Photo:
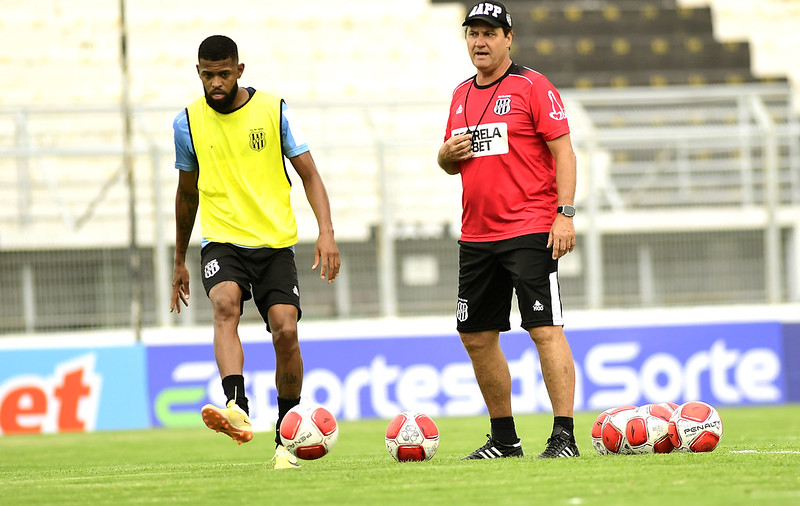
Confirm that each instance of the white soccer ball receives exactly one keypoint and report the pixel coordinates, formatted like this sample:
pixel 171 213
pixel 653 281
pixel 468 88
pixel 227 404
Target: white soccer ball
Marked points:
pixel 309 431
pixel 695 427
pixel 613 428
pixel 647 431
pixel 597 428
pixel 412 436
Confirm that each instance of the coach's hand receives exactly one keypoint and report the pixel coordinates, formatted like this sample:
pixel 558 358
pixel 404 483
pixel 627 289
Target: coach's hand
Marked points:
pixel 562 236
pixel 455 150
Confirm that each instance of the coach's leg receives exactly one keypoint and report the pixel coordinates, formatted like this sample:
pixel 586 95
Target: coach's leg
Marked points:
pixel 491 370
pixel 558 369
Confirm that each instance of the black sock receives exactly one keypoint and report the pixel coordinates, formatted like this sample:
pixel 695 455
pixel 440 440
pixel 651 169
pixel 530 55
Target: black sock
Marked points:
pixel 233 386
pixel 284 405
pixel 565 422
pixel 503 430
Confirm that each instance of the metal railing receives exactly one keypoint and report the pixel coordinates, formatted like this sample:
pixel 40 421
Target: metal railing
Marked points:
pixel 662 171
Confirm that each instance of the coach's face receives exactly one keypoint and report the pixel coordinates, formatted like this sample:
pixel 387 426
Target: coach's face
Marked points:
pixel 220 82
pixel 488 46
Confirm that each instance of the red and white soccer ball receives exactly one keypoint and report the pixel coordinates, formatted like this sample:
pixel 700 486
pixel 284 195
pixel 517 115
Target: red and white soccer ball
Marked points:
pixel 597 428
pixel 612 430
pixel 309 431
pixel 695 427
pixel 412 436
pixel 647 431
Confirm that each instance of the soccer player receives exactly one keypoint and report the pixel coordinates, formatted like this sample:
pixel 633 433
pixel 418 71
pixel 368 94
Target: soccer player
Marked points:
pixel 507 136
pixel 229 148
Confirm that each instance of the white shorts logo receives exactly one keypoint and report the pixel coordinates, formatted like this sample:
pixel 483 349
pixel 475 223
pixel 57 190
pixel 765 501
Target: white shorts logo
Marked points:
pixel 211 268
pixel 462 310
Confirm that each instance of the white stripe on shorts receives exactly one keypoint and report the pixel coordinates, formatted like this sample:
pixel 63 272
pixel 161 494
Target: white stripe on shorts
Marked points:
pixel 555 300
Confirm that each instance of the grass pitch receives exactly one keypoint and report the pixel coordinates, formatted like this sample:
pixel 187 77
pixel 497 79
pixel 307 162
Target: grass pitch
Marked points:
pixel 757 462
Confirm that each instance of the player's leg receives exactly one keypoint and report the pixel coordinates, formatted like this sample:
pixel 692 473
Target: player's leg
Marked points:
pixel 278 300
pixel 288 359
pixel 226 300
pixel 222 278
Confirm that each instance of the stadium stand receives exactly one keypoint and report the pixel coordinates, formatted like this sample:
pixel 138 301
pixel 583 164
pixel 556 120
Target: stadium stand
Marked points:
pixel 663 97
pixel 621 43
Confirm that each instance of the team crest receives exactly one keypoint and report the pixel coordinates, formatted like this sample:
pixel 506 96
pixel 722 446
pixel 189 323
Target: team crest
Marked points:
pixel 258 139
pixel 502 106
pixel 462 310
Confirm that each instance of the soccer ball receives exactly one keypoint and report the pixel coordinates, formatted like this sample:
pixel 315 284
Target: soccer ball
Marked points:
pixel 597 427
pixel 412 436
pixel 613 430
pixel 309 431
pixel 695 427
pixel 647 431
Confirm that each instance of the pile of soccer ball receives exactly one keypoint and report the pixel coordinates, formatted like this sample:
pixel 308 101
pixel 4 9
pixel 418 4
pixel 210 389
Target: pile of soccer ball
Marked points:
pixel 309 431
pixel 693 426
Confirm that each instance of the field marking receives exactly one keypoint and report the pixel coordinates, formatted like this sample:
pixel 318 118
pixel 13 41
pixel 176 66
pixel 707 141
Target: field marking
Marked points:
pixel 757 451
pixel 127 473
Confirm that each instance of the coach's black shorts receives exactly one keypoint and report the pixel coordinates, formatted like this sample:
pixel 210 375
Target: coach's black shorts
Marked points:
pixel 270 273
pixel 490 271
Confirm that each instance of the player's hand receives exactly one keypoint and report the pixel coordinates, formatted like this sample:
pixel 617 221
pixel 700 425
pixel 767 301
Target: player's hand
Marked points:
pixel 180 287
pixel 562 236
pixel 326 257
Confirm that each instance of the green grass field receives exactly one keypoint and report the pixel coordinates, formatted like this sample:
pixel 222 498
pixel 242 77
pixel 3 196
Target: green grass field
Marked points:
pixel 757 462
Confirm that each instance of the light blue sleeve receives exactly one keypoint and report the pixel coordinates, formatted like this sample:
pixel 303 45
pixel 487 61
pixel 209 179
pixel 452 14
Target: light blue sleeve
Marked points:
pixel 292 140
pixel 185 157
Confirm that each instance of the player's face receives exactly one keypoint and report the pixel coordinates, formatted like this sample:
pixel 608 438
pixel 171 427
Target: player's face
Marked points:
pixel 220 82
pixel 488 46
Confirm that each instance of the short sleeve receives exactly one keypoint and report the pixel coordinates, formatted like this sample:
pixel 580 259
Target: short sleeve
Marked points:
pixel 293 141
pixel 549 115
pixel 185 157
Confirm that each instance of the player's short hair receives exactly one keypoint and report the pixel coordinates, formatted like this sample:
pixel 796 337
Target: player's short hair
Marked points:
pixel 218 47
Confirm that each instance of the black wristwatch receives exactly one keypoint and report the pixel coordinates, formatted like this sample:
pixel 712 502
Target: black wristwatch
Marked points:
pixel 568 211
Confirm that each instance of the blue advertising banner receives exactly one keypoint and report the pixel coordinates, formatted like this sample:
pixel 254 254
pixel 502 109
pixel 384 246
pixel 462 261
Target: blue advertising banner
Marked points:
pixel 73 389
pixel 368 378
pixel 791 361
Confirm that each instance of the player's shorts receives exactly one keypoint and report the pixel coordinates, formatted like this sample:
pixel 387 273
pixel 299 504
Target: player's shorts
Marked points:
pixel 270 273
pixel 488 274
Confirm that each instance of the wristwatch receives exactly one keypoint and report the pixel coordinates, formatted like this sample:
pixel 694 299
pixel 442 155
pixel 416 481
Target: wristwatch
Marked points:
pixel 568 211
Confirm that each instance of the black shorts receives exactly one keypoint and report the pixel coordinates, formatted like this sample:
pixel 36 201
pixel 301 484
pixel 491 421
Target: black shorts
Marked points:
pixel 271 274
pixel 488 274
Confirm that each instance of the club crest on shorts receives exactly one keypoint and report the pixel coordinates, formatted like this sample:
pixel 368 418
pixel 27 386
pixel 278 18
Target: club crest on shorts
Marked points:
pixel 502 106
pixel 462 310
pixel 258 139
pixel 211 268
